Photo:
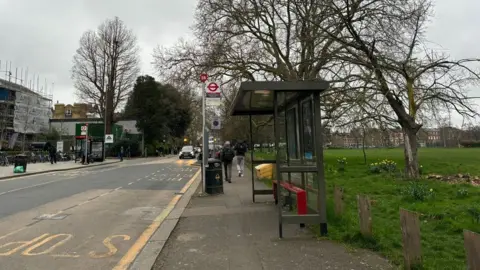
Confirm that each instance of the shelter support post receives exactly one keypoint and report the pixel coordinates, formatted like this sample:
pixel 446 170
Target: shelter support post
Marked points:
pixel 252 149
pixel 277 161
pixel 322 193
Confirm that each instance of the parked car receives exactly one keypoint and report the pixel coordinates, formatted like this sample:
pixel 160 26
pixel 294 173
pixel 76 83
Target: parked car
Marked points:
pixel 187 152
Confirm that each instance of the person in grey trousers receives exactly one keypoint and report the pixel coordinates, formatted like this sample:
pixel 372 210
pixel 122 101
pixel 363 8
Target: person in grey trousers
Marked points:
pixel 240 150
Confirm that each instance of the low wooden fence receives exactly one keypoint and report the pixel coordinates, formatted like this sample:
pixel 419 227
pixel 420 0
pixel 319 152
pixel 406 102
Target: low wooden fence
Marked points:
pixel 410 226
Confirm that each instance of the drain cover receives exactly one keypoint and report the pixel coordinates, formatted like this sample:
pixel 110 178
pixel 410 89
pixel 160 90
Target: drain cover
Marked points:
pixel 51 217
pixel 179 193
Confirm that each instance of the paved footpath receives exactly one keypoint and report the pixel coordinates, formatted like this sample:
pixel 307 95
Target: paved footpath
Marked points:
pixel 230 232
pixel 35 168
pixel 92 218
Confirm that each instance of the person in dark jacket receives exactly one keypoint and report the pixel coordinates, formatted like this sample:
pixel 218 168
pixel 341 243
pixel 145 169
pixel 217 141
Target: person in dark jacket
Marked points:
pixel 226 156
pixel 53 154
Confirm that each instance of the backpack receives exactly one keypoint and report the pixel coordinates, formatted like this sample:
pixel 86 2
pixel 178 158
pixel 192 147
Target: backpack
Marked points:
pixel 228 154
pixel 241 149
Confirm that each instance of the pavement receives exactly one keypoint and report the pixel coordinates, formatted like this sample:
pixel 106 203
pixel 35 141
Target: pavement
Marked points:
pixel 41 167
pixel 228 231
pixel 97 217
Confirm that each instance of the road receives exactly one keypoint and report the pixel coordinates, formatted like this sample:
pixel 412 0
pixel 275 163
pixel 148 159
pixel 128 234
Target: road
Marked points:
pixel 88 218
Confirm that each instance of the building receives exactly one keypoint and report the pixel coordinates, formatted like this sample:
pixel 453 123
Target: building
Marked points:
pixel 75 111
pixel 22 111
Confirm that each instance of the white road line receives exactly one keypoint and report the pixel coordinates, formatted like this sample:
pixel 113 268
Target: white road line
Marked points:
pixel 130 183
pixel 37 185
pixel 118 188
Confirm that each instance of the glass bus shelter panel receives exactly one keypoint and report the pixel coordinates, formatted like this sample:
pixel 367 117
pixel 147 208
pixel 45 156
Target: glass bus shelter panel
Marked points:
pixel 291 132
pixel 263 137
pixel 280 138
pixel 311 188
pixel 307 128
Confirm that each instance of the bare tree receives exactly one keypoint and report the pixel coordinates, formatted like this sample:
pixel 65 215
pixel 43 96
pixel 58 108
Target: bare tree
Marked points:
pixel 106 66
pixel 386 39
pixel 258 40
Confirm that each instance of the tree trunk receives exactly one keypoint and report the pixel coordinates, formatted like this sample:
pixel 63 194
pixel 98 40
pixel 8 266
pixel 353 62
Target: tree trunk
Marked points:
pixel 363 149
pixel 411 153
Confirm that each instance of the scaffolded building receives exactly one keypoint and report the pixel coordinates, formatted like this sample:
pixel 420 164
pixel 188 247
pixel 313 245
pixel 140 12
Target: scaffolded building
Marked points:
pixel 22 110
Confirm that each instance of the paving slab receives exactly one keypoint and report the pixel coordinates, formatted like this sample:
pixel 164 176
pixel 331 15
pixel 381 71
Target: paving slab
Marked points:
pixel 230 232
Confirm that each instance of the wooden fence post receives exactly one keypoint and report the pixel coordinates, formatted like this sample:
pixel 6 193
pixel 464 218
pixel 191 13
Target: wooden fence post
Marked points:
pixel 365 215
pixel 472 248
pixel 412 252
pixel 339 202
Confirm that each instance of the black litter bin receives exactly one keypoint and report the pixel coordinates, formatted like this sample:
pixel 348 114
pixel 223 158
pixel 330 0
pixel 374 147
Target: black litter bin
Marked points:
pixel 213 177
pixel 21 160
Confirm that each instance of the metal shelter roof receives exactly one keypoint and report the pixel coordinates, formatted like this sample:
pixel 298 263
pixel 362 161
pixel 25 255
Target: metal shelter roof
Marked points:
pixel 256 98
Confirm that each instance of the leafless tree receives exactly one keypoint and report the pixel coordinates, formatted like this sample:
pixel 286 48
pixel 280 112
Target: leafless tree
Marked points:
pixel 386 39
pixel 106 66
pixel 259 40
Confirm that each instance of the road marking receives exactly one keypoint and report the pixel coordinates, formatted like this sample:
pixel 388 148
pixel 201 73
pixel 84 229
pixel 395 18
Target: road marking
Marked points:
pixel 107 242
pixel 37 185
pixel 28 251
pixel 130 183
pixel 12 233
pixel 65 256
pixel 23 244
pixel 142 240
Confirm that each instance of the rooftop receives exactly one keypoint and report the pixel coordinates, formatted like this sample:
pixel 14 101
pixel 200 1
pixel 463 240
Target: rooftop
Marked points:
pixel 257 98
pixel 17 87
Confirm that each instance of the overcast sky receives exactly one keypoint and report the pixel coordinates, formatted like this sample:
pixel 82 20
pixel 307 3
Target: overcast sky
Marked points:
pixel 43 35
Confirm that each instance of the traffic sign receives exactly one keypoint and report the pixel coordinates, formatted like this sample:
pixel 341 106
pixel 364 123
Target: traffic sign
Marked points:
pixel 203 77
pixel 83 130
pixel 216 123
pixel 108 138
pixel 212 87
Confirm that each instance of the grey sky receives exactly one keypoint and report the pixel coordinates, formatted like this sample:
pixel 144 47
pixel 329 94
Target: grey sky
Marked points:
pixel 43 35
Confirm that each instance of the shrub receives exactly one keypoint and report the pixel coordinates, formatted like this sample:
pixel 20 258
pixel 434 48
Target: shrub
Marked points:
pixel 417 191
pixel 462 193
pixel 474 212
pixel 342 163
pixel 385 165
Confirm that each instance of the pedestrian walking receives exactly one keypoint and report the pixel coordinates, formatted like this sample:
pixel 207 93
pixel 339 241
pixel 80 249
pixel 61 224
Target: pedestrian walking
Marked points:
pixel 226 156
pixel 121 153
pixel 240 150
pixel 53 154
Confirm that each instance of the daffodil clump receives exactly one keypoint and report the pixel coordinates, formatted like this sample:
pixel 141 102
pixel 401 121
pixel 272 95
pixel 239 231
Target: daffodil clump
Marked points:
pixel 418 191
pixel 342 163
pixel 385 165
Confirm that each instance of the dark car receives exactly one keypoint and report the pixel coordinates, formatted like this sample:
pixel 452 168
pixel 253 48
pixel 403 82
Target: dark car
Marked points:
pixel 187 152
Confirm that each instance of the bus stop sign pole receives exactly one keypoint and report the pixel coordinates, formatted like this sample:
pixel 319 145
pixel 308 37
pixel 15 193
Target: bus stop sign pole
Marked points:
pixel 203 79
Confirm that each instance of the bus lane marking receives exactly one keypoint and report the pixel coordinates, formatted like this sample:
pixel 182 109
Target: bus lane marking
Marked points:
pixel 29 250
pixel 107 242
pixel 23 244
pixel 31 247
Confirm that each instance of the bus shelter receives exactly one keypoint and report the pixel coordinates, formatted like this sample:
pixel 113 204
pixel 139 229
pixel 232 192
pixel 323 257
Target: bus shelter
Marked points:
pixel 295 108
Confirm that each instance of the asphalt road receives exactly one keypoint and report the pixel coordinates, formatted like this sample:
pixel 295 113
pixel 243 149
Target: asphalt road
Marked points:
pixel 87 218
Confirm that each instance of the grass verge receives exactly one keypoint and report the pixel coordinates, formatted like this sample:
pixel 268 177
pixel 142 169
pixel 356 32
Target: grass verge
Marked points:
pixel 446 209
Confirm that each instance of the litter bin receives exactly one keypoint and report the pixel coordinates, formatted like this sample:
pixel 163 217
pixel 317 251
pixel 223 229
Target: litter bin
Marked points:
pixel 213 177
pixel 21 160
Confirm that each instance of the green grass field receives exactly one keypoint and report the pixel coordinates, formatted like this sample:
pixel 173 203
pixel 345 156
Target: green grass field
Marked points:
pixel 446 209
